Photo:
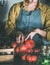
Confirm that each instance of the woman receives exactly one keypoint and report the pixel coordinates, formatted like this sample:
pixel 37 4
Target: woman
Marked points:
pixel 31 18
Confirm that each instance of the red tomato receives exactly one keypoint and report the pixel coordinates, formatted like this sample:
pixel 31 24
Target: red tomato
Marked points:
pixel 17 50
pixel 34 58
pixel 37 50
pixel 14 44
pixel 23 48
pixel 29 58
pixel 24 57
pixel 29 43
pixel 29 50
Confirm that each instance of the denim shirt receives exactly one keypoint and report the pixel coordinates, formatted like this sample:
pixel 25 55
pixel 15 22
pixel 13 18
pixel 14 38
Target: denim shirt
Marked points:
pixel 28 21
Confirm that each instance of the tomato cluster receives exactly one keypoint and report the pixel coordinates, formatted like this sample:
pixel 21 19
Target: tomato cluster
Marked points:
pixel 32 58
pixel 27 47
pixel 29 58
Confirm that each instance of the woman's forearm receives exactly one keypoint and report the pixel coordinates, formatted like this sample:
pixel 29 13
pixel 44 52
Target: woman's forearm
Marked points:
pixel 41 32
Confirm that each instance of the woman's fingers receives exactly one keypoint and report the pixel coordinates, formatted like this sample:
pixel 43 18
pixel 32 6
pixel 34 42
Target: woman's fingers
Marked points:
pixel 27 37
pixel 20 39
pixel 30 35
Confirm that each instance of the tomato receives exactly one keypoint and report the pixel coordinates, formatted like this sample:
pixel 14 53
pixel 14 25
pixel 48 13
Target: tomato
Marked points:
pixel 17 50
pixel 29 43
pixel 29 58
pixel 37 50
pixel 34 58
pixel 23 48
pixel 14 44
pixel 29 50
pixel 24 57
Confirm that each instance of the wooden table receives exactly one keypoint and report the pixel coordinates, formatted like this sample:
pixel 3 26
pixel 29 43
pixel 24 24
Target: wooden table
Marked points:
pixel 7 57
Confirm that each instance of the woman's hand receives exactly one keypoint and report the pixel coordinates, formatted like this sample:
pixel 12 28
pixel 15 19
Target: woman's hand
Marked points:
pixel 36 31
pixel 31 35
pixel 20 38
